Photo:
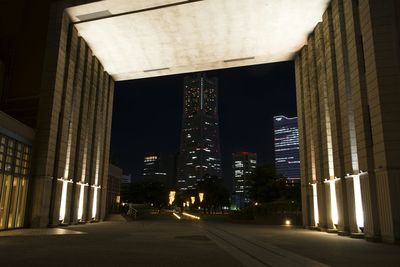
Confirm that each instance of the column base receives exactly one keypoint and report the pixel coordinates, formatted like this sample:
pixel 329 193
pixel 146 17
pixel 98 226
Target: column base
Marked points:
pixel 332 231
pixel 357 235
pixel 343 233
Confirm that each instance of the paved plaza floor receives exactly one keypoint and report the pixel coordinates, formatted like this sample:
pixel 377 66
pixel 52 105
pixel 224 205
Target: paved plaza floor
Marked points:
pixel 167 241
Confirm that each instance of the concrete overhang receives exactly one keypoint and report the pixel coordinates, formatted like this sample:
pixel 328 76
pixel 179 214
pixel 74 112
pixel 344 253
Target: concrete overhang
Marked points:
pixel 146 38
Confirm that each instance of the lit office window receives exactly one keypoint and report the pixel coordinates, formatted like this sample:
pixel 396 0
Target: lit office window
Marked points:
pixel 14 172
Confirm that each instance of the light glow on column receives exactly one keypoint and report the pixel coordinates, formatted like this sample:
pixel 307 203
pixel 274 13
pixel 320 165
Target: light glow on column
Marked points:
pixel 358 201
pixel 63 200
pixel 63 204
pixel 315 201
pixel 94 206
pixel 334 208
pixel 81 197
pixel 83 178
pixel 80 207
pixel 96 182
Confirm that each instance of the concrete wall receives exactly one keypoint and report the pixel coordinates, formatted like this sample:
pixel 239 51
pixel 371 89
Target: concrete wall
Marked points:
pixel 75 124
pixel 59 88
pixel 348 99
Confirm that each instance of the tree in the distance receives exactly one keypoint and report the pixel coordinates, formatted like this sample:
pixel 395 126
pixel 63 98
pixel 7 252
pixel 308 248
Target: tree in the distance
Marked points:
pixel 216 195
pixel 265 185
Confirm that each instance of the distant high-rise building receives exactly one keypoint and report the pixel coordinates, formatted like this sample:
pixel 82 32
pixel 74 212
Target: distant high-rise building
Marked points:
pixel 160 167
pixel 200 151
pixel 126 181
pixel 244 163
pixel 286 140
pixel 113 199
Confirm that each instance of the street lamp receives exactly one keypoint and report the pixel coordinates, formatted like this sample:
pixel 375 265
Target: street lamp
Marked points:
pixel 171 197
pixel 192 199
pixel 201 197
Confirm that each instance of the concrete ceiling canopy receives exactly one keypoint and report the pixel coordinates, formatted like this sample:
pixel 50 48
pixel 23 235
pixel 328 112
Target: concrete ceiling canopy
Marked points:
pixel 147 38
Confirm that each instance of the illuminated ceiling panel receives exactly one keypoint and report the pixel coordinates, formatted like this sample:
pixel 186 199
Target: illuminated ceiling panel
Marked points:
pixel 147 38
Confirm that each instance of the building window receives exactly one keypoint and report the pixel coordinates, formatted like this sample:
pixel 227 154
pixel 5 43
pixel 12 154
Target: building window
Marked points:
pixel 14 170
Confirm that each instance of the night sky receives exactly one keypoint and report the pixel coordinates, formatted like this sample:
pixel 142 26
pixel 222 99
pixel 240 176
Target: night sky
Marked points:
pixel 148 113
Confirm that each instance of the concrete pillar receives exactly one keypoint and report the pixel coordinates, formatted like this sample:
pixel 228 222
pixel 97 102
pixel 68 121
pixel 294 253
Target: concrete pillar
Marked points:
pixel 106 158
pixel 95 137
pixel 370 206
pixel 345 98
pixel 302 142
pixel 341 195
pixel 362 118
pixel 48 119
pixel 335 114
pixel 101 136
pixel 90 133
pixel 379 23
pixel 328 200
pixel 309 149
pixel 316 130
pixel 324 116
pixel 79 125
pixel 351 205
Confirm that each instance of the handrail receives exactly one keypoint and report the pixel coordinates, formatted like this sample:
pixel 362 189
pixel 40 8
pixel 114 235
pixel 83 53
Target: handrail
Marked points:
pixel 132 211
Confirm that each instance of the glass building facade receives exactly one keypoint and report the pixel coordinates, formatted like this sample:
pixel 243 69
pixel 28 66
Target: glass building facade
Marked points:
pixel 244 163
pixel 14 176
pixel 286 143
pixel 200 154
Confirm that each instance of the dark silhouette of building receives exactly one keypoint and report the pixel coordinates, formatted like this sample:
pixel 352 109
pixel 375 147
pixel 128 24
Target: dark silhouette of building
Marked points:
pixel 113 202
pixel 286 140
pixel 200 151
pixel 160 167
pixel 126 181
pixel 244 163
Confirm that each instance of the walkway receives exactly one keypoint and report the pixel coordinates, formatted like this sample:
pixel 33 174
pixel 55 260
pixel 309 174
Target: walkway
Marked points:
pixel 172 242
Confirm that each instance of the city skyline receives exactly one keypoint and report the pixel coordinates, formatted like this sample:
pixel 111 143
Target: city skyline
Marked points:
pixel 90 90
pixel 248 128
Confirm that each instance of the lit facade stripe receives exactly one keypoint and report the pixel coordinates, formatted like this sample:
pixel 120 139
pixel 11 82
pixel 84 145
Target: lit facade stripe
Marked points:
pixel 315 204
pixel 358 201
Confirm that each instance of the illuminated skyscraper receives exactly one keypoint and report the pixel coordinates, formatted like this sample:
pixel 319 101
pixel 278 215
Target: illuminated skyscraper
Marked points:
pixel 286 140
pixel 200 151
pixel 160 167
pixel 244 163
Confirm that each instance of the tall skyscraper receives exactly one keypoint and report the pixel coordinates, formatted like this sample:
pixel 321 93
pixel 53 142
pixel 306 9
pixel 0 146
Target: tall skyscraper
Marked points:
pixel 200 151
pixel 286 140
pixel 244 163
pixel 160 167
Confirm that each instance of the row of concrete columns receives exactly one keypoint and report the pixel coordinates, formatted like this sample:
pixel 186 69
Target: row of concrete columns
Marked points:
pixel 347 80
pixel 72 150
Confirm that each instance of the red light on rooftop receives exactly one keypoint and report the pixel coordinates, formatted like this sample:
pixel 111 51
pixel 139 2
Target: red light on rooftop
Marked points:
pixel 247 153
